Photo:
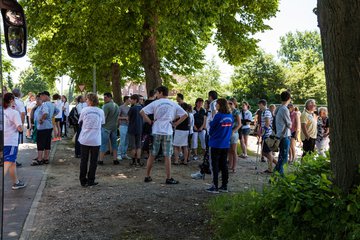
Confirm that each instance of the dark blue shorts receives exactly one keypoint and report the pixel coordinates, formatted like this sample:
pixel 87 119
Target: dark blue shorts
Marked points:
pixel 10 153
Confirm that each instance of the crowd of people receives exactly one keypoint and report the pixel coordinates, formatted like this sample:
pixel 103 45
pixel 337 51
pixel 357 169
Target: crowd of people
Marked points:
pixel 162 127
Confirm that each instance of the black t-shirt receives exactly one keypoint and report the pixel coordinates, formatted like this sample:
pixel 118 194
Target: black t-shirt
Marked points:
pixel 184 126
pixel 147 127
pixel 135 120
pixel 199 117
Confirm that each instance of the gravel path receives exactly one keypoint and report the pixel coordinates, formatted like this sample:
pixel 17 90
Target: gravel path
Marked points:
pixel 122 206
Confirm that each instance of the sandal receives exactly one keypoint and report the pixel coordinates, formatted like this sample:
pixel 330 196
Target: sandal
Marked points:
pixel 36 163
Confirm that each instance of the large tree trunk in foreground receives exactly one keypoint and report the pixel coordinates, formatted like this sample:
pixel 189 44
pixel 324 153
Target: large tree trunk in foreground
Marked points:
pixel 339 23
pixel 149 56
pixel 115 78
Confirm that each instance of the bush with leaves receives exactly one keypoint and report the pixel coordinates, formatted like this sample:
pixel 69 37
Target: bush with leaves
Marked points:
pixel 302 205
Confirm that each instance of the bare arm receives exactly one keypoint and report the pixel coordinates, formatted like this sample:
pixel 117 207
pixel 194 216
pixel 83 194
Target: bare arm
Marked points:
pixel 145 117
pixel 239 125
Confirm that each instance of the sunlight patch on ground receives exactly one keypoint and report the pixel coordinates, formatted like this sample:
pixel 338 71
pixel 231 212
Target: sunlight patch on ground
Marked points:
pixel 120 176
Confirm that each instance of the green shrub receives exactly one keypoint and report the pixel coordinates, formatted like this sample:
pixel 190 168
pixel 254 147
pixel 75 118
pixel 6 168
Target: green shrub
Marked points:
pixel 302 205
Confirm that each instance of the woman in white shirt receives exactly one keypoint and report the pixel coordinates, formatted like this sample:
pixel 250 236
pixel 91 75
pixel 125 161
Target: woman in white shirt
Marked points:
pixel 91 119
pixel 12 128
pixel 65 114
pixel 58 117
pixel 29 106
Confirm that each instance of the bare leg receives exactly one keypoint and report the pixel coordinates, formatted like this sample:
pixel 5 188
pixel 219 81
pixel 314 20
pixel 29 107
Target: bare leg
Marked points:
pixel 176 154
pixel 186 154
pixel 168 167
pixel 138 153
pixel 230 159
pixel 149 164
pixel 40 155
pixel 114 154
pixel 101 156
pixel 234 156
pixel 46 155
pixel 270 160
pixel 12 171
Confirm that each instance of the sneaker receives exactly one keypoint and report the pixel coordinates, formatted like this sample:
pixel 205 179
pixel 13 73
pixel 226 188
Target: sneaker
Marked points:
pixel 197 175
pixel 263 159
pixel 223 189
pixel 148 179
pixel 127 157
pixel 92 184
pixel 116 162
pixel 119 158
pixel 213 189
pixel 18 185
pixel 171 181
pixel 18 164
pixel 195 157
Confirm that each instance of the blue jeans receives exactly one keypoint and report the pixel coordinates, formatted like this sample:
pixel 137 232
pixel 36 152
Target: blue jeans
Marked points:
pixel 283 154
pixel 124 142
pixel 105 136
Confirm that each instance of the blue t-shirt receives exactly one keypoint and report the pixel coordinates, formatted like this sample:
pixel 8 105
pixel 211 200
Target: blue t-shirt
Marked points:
pixel 46 108
pixel 220 130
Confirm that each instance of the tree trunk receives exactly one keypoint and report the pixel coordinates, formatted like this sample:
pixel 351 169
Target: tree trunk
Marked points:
pixel 149 56
pixel 116 87
pixel 339 23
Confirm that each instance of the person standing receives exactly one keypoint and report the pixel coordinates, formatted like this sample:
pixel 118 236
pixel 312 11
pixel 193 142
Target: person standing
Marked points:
pixel 147 128
pixel 58 117
pixel 295 128
pixel 65 114
pixel 165 111
pixel 263 113
pixel 244 131
pixel 20 107
pixel 81 104
pixel 219 143
pixel 109 128
pixel 180 98
pixel 29 106
pixel 235 134
pixel 91 119
pixel 308 120
pixel 181 139
pixel 283 126
pixel 322 140
pixel 199 127
pixel 44 129
pixel 12 126
pixel 124 124
pixel 135 130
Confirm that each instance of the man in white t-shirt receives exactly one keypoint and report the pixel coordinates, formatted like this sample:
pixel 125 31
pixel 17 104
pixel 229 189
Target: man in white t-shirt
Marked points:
pixel 165 112
pixel 212 97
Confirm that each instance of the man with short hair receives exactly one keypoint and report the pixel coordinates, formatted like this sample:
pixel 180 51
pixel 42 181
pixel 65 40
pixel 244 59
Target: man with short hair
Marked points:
pixel 165 112
pixel 308 120
pixel 109 129
pixel 212 97
pixel 135 129
pixel 283 126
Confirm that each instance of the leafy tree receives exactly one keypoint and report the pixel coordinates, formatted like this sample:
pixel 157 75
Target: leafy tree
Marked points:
pixel 305 77
pixel 32 81
pixel 199 84
pixel 260 77
pixel 339 23
pixel 159 38
pixel 293 45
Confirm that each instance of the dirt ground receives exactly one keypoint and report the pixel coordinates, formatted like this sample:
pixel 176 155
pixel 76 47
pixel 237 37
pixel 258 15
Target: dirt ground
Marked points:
pixel 122 206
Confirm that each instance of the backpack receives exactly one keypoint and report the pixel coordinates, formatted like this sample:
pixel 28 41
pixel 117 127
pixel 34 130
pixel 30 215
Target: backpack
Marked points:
pixel 73 117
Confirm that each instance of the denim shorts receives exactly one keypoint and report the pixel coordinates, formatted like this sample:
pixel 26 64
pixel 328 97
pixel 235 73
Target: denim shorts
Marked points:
pixel 165 141
pixel 234 138
pixel 107 135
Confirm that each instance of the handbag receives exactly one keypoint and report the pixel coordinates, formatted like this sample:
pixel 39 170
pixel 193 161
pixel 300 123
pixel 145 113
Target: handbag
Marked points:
pixel 273 142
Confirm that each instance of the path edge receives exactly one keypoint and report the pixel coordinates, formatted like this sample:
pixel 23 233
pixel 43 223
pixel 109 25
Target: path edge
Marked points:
pixel 30 219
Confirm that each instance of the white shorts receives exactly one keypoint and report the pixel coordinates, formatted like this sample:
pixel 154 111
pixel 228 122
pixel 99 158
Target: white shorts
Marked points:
pixel 181 138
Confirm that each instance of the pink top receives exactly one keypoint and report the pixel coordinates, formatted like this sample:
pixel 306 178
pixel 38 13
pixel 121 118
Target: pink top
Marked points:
pixel 293 116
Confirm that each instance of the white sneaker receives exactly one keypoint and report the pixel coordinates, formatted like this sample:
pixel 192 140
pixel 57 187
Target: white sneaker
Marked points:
pixel 195 157
pixel 119 158
pixel 197 175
